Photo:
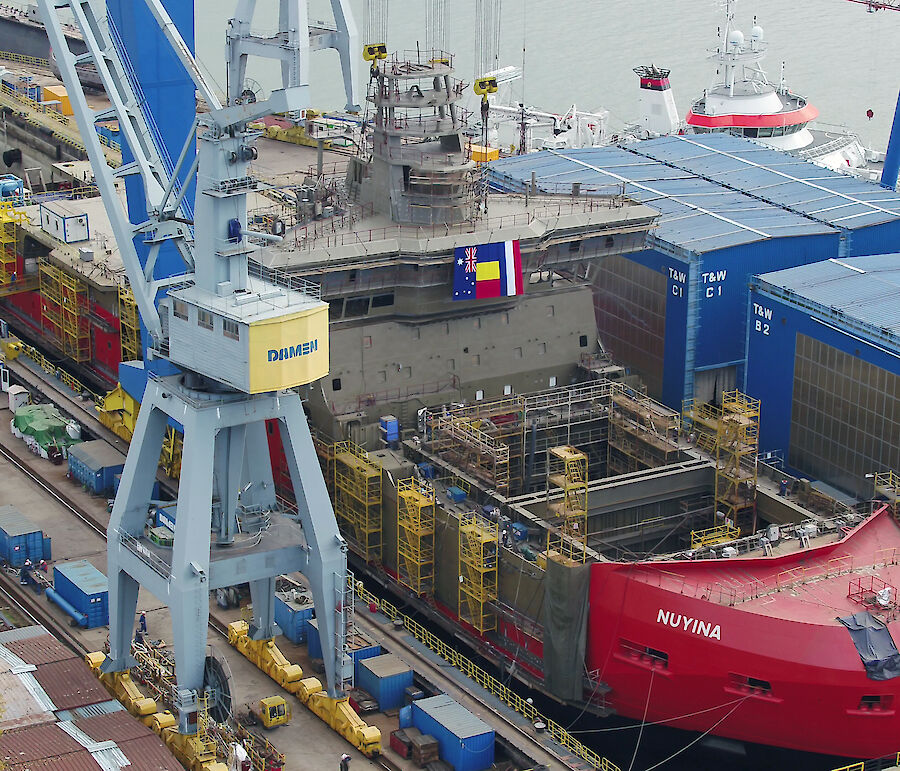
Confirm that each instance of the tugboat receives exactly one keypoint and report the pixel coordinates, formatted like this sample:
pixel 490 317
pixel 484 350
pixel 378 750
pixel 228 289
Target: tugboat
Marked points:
pixel 743 101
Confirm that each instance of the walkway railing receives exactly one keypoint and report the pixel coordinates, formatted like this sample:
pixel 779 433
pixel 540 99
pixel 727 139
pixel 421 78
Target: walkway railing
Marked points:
pixel 497 689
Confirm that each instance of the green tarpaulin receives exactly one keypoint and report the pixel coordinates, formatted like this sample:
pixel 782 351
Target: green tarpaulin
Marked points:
pixel 45 424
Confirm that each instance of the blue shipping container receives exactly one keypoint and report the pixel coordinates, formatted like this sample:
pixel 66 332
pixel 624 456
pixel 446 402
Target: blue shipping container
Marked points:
pixel 85 588
pixel 466 742
pixel 313 644
pixel 20 538
pixel 95 464
pixel 386 678
pixel 291 615
pixel 456 494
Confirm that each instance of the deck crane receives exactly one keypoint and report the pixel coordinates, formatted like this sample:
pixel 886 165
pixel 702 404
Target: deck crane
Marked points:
pixel 241 342
pixel 891 167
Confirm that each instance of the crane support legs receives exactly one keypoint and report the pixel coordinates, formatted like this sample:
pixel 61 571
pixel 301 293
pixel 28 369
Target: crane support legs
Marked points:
pixel 227 527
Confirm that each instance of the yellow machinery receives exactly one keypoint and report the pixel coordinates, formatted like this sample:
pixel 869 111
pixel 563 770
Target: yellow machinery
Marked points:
pixel 415 535
pixel 272 712
pixel 337 713
pixel 196 753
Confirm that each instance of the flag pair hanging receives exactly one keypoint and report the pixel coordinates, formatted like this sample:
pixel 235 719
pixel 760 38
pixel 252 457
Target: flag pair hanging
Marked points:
pixel 487 270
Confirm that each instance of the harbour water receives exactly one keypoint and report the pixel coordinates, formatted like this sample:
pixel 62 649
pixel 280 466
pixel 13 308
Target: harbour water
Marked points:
pixel 582 51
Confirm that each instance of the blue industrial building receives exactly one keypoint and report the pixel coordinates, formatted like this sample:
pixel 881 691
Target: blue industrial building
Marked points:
pixel 729 209
pixel 823 357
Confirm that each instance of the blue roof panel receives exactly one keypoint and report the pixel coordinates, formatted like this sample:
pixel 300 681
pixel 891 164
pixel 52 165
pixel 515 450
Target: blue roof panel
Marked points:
pixel 776 177
pixel 697 214
pixel 863 289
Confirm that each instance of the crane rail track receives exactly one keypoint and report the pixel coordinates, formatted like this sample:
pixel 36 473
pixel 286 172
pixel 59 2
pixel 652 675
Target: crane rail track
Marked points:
pixel 26 603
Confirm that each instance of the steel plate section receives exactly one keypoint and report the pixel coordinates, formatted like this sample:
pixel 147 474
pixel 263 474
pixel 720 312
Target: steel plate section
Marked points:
pixel 70 684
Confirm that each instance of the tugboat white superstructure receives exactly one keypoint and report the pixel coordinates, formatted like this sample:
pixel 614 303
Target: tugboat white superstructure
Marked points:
pixel 742 101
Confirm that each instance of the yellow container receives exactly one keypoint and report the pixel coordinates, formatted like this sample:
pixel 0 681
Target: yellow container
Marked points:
pixel 482 154
pixel 58 93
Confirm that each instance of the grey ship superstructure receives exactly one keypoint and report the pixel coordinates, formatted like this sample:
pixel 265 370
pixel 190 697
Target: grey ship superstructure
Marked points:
pixel 399 342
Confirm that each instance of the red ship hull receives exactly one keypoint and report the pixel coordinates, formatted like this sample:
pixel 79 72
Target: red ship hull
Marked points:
pixel 777 669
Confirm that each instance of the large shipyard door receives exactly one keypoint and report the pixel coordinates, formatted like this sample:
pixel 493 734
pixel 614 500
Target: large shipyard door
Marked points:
pixel 709 384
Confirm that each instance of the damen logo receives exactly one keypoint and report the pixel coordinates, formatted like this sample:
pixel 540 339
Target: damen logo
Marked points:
pixel 291 352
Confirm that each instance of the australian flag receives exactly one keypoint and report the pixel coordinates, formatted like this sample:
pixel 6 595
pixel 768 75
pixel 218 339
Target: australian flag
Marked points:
pixel 487 270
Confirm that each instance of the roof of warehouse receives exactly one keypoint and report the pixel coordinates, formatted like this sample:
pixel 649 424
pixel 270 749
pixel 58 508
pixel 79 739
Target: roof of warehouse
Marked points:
pixel 780 178
pixel 856 289
pixel 696 214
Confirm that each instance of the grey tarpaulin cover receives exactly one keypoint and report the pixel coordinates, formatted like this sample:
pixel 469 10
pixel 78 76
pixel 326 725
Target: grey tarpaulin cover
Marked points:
pixel 565 628
pixel 875 645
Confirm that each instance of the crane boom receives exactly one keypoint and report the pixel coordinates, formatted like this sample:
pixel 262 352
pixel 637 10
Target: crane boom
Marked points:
pixel 879 5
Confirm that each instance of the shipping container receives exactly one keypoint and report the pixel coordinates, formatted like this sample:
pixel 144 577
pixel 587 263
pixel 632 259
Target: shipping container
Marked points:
pixel 675 313
pixel 466 741
pixel 292 611
pixel 824 361
pixel 95 465
pixel 313 644
pixel 20 538
pixel 385 677
pixel 59 95
pixel 85 588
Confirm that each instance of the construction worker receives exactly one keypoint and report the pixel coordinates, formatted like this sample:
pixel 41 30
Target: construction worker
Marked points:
pixel 25 572
pixel 142 622
pixel 345 762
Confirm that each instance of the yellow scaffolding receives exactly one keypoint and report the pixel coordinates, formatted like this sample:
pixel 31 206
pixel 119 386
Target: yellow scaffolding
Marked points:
pixel 415 535
pixel 478 566
pixel 642 433
pixel 567 470
pixel 129 325
pixel 730 434
pixel 170 457
pixel 357 499
pixel 887 485
pixel 12 280
pixel 64 311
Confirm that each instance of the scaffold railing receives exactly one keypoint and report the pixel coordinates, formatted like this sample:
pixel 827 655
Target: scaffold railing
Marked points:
pixel 499 690
pixel 567 470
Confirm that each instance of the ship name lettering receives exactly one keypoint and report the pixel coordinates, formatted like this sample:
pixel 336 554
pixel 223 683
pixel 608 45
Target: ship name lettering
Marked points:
pixel 688 624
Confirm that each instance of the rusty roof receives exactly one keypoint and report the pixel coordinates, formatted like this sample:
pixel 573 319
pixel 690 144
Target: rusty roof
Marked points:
pixel 116 726
pixel 70 684
pixel 73 761
pixel 36 743
pixel 43 649
pixel 149 754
